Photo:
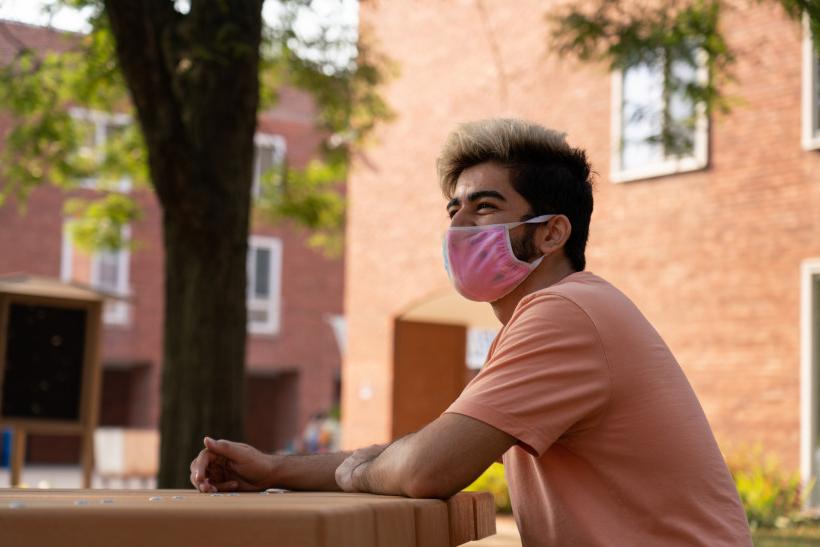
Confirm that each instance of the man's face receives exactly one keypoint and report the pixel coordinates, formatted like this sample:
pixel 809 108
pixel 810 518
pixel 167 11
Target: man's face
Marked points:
pixel 484 195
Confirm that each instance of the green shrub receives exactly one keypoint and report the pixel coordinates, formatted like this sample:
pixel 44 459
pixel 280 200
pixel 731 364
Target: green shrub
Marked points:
pixel 770 496
pixel 493 481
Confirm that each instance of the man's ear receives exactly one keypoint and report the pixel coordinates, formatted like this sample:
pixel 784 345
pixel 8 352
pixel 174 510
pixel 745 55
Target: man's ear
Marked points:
pixel 553 234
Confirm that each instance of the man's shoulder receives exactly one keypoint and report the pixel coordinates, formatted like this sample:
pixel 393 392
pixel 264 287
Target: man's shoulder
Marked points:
pixel 585 297
pixel 580 288
pixel 568 304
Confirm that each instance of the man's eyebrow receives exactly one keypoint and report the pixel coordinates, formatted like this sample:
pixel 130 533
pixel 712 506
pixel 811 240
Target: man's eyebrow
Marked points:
pixel 485 194
pixel 475 196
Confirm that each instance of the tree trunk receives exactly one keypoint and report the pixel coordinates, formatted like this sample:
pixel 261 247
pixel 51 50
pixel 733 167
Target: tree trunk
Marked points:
pixel 194 81
pixel 204 340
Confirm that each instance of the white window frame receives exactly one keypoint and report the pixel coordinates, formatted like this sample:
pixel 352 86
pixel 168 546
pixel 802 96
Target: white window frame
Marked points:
pixel 700 157
pixel 811 90
pixel 266 140
pixel 273 304
pixel 115 312
pixel 809 389
pixel 101 120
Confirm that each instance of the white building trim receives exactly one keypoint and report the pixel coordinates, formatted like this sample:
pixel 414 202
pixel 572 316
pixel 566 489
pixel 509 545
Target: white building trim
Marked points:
pixel 272 305
pixel 811 90
pixel 809 361
pixel 115 312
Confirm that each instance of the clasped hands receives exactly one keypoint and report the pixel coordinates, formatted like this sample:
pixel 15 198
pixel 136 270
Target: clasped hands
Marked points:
pixel 230 466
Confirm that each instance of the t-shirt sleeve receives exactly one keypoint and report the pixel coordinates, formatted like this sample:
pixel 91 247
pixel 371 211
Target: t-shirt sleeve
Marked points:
pixel 546 376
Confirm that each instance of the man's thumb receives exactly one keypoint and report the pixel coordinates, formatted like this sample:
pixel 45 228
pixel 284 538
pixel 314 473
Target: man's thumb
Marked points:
pixel 220 447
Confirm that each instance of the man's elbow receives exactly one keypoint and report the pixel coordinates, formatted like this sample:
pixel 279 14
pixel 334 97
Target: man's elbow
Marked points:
pixel 425 486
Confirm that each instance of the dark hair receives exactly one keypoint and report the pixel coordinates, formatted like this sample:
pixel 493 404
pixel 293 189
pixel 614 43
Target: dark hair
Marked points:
pixel 551 175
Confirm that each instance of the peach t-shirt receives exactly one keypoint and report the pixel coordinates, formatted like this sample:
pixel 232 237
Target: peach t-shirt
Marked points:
pixel 613 446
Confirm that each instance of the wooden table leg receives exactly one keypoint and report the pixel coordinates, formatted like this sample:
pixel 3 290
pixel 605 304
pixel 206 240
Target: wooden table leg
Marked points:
pixel 87 457
pixel 18 455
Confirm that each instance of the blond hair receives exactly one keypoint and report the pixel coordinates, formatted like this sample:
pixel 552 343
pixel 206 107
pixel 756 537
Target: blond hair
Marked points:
pixel 502 140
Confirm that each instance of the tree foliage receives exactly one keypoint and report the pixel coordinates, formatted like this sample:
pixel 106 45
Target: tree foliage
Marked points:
pixel 626 33
pixel 50 93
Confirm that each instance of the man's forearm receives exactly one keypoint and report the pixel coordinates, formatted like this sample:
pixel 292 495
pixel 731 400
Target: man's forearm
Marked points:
pixel 308 472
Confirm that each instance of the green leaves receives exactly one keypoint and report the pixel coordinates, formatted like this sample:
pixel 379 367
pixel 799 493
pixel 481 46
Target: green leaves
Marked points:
pixel 770 495
pixel 58 99
pixel 101 223
pixel 53 141
pixel 796 9
pixel 313 196
pixel 627 33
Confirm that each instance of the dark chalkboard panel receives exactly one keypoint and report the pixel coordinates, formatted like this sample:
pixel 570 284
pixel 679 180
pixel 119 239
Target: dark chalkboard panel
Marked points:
pixel 45 355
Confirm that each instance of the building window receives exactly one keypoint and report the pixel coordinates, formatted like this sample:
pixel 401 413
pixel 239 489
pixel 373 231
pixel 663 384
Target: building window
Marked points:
pixel 811 90
pixel 98 130
pixel 656 128
pixel 268 158
pixel 104 270
pixel 264 283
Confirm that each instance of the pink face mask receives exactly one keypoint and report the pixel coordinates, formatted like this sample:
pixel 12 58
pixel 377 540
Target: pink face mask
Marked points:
pixel 481 263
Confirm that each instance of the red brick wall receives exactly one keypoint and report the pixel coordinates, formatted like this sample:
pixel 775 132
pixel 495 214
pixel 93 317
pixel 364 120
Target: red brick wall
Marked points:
pixel 711 257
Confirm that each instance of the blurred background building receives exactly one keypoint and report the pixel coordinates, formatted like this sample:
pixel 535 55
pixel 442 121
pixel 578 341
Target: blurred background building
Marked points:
pixel 295 326
pixel 719 248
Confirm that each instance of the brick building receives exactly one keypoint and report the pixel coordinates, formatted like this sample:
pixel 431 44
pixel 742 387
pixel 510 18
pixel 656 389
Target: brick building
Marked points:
pixel 295 292
pixel 720 249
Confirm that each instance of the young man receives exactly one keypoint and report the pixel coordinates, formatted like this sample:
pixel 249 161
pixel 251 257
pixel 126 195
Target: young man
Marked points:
pixel 603 439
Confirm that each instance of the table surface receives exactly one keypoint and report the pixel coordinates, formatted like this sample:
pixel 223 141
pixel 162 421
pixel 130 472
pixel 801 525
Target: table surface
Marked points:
pixel 131 518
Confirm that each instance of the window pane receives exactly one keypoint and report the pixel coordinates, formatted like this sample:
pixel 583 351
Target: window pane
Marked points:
pixel 249 267
pixel 682 110
pixel 642 115
pixel 258 315
pixel 262 273
pixel 113 131
pixel 266 158
pixel 108 270
pixel 88 135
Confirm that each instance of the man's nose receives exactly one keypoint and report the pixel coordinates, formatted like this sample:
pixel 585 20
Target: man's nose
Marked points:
pixel 461 218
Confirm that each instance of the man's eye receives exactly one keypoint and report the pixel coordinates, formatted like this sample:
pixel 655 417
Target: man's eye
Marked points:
pixel 451 213
pixel 481 206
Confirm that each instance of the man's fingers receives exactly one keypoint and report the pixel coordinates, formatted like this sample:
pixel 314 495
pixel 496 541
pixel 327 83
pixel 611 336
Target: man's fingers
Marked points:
pixel 222 447
pixel 209 465
pixel 199 466
pixel 206 487
pixel 227 486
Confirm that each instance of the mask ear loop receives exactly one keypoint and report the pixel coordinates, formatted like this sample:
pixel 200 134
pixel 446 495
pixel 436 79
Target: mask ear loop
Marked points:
pixel 536 220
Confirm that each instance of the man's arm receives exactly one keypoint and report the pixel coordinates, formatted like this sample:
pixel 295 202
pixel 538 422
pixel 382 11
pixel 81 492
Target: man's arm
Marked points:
pixel 225 465
pixel 307 472
pixel 436 462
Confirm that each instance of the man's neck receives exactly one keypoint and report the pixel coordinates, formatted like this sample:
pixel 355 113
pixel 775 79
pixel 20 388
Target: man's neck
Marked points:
pixel 547 273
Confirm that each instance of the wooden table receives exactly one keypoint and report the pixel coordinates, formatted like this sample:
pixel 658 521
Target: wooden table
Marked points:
pixel 182 518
